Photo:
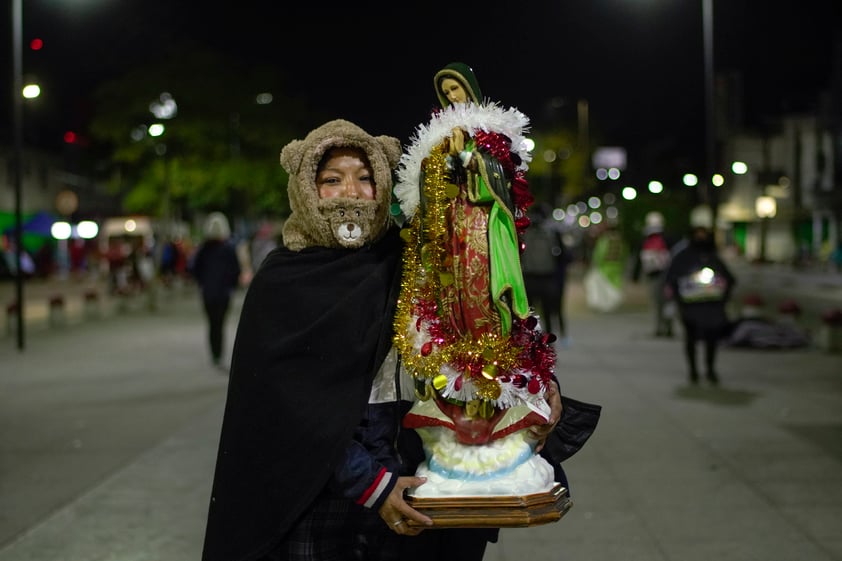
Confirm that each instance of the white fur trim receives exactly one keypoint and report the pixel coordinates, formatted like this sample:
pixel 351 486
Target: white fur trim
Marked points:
pixel 489 117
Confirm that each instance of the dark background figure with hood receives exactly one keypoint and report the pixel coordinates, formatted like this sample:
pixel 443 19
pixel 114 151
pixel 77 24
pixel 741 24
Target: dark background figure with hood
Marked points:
pixel 305 462
pixel 702 285
pixel 216 268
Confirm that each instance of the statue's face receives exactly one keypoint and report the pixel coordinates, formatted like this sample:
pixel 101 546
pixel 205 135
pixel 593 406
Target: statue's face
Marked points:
pixel 453 91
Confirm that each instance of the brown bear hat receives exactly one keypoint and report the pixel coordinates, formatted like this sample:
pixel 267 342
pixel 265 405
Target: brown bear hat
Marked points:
pixel 306 225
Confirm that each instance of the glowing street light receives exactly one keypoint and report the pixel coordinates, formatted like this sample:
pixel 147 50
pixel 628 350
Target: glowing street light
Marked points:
pixel 164 107
pixel 31 91
pixel 87 229
pixel 766 208
pixel 155 130
pixel 690 179
pixel 739 168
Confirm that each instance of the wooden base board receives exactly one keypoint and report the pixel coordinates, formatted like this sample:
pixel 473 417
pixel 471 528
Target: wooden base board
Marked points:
pixel 494 512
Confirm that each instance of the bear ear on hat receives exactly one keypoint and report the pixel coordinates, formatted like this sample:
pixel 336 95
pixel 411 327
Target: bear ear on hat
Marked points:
pixel 291 156
pixel 391 148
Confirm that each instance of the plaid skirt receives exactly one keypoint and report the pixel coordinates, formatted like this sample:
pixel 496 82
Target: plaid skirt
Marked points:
pixel 337 529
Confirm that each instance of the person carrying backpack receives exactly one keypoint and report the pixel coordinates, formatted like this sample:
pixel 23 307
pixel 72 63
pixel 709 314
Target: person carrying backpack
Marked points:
pixel 653 261
pixel 701 284
pixel 544 263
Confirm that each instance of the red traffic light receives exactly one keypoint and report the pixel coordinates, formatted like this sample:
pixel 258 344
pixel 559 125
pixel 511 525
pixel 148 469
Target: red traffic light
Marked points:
pixel 71 137
pixel 36 44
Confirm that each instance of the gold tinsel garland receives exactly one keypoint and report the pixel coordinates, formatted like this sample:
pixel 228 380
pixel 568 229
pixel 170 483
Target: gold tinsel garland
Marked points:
pixel 424 275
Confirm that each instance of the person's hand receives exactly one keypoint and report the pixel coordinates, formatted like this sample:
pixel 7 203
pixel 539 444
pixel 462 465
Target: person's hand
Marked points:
pixel 541 432
pixel 395 511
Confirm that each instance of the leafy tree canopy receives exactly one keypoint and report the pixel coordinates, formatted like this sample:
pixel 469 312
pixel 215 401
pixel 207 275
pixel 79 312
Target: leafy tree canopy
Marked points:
pixel 559 170
pixel 219 151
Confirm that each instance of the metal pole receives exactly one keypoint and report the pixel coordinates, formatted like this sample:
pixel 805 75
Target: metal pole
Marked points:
pixel 764 232
pixel 710 122
pixel 17 87
pixel 583 127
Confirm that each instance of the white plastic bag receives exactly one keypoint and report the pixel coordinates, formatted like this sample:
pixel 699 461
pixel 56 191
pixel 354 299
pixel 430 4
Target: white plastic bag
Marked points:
pixel 600 294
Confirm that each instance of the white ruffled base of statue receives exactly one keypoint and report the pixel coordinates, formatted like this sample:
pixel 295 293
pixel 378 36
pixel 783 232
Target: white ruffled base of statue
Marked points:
pixel 505 466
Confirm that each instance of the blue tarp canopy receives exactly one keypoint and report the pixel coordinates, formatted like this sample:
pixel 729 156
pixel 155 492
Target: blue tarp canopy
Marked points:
pixel 40 223
pixel 36 227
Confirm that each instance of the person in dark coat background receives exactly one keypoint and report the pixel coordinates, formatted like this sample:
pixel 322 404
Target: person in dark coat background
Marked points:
pixel 702 285
pixel 544 261
pixel 216 269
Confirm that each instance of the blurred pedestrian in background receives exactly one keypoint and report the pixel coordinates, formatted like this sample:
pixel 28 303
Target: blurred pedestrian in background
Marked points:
pixel 216 268
pixel 651 265
pixel 702 284
pixel 173 262
pixel 835 258
pixel 264 241
pixel 143 273
pixel 605 279
pixel 544 262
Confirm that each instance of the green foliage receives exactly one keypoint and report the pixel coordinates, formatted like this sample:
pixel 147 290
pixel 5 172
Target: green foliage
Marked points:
pixel 568 175
pixel 219 152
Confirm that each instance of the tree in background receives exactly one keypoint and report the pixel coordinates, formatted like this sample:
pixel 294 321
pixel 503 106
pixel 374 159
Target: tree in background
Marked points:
pixel 219 151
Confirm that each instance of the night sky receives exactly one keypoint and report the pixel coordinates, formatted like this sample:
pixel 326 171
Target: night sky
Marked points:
pixel 639 63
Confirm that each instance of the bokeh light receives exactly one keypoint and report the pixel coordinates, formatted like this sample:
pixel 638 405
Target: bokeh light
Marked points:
pixel 60 230
pixel 739 168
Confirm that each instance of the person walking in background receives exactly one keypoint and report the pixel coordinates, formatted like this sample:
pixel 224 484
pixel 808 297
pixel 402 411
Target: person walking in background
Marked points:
pixel 605 280
pixel 653 260
pixel 834 260
pixel 216 268
pixel 262 244
pixel 544 262
pixel 702 284
pixel 173 267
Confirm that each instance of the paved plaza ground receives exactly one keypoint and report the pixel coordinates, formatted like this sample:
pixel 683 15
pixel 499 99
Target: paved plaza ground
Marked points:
pixel 109 426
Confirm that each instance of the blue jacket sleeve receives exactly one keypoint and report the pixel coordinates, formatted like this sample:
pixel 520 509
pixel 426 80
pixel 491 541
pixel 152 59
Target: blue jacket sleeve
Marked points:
pixel 369 469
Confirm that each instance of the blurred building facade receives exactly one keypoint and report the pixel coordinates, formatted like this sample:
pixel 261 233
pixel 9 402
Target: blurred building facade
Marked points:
pixel 796 160
pixel 47 185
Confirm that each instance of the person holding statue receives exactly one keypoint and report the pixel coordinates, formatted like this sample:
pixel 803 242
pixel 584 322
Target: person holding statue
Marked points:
pixel 306 467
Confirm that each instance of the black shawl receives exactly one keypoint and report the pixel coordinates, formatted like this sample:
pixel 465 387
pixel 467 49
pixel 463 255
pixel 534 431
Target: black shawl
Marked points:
pixel 314 327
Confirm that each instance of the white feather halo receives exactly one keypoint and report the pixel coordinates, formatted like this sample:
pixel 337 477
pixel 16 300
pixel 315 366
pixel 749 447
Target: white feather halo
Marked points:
pixel 488 117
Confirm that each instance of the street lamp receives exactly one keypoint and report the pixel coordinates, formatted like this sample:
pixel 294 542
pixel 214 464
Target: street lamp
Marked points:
pixel 766 207
pixel 710 123
pixel 17 118
pixel 61 232
pixel 164 108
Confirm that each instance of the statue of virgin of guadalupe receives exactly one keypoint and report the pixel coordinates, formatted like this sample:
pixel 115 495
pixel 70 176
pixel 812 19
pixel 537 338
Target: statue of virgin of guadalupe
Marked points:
pixel 481 364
